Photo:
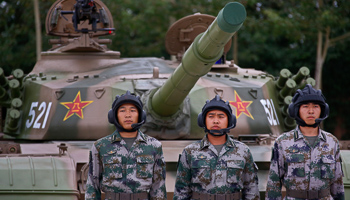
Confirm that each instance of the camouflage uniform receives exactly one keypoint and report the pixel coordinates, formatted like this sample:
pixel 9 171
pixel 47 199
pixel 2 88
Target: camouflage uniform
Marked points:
pixel 298 166
pixel 201 169
pixel 115 169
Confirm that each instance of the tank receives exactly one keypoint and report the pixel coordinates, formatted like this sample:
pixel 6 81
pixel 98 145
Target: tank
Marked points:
pixel 51 116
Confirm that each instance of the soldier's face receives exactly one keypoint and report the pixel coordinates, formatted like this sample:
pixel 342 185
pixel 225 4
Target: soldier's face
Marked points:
pixel 309 112
pixel 216 120
pixel 127 114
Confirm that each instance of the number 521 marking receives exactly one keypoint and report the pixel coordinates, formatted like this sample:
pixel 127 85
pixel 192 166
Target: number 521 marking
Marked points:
pixel 270 111
pixel 43 109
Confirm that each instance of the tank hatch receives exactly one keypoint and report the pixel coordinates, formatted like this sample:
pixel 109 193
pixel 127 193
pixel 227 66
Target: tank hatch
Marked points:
pixel 182 33
pixel 79 23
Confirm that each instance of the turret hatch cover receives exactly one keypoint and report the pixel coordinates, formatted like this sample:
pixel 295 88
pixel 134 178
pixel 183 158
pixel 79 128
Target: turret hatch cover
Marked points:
pixel 60 22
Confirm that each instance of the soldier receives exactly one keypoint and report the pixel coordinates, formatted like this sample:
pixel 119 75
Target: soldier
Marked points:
pixel 126 164
pixel 217 167
pixel 306 160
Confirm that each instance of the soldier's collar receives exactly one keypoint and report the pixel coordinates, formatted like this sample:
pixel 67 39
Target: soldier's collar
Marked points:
pixel 140 137
pixel 321 135
pixel 298 135
pixel 117 138
pixel 205 142
pixel 229 141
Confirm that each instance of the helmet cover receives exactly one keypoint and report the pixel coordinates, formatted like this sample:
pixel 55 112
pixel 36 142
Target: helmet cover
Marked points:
pixel 217 104
pixel 123 99
pixel 307 95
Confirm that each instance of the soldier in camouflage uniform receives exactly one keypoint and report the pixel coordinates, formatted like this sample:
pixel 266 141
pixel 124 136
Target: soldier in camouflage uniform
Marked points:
pixel 217 167
pixel 306 160
pixel 126 164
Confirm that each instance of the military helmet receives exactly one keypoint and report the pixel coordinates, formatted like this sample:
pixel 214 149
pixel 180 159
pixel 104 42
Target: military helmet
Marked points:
pixel 123 99
pixel 308 94
pixel 217 104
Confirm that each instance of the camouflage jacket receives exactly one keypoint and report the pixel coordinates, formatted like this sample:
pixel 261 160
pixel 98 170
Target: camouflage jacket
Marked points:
pixel 298 166
pixel 201 169
pixel 113 168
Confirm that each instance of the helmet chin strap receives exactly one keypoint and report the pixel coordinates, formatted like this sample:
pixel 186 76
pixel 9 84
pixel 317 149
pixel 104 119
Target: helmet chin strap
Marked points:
pixel 134 127
pixel 302 123
pixel 313 125
pixel 121 129
pixel 220 132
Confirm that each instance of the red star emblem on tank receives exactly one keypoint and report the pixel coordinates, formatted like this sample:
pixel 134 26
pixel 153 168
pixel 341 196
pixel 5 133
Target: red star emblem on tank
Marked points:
pixel 75 107
pixel 241 106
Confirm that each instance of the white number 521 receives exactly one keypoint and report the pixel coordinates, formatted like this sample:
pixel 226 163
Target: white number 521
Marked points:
pixel 43 109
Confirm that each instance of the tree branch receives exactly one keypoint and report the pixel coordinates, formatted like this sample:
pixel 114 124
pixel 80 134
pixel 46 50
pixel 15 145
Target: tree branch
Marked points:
pixel 326 43
pixel 336 39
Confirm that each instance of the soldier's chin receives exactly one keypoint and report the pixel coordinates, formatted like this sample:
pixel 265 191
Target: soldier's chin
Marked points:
pixel 127 127
pixel 310 122
pixel 216 131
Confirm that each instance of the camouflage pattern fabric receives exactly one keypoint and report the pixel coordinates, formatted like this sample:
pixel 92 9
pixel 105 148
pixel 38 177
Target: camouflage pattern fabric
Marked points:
pixel 201 169
pixel 298 166
pixel 115 169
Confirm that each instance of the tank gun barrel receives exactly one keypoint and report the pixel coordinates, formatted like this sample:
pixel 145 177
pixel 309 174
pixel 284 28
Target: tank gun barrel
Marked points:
pixel 205 50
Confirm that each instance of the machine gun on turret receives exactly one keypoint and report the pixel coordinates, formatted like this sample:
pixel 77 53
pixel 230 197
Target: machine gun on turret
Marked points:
pixel 87 10
pixel 80 27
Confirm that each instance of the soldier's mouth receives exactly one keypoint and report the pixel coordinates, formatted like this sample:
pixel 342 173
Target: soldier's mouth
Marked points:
pixel 215 128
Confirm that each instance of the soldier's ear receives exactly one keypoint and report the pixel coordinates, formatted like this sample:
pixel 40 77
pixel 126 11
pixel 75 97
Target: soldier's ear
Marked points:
pixel 201 121
pixel 111 116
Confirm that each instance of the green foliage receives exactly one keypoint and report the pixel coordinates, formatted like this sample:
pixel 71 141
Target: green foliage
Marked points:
pixel 140 27
pixel 17 49
pixel 16 40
